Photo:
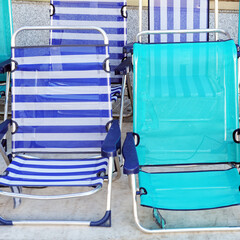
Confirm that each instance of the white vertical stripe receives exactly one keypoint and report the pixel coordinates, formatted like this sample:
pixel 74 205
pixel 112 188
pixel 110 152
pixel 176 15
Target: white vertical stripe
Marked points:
pixel 152 6
pixel 163 15
pixel 203 18
pixel 190 19
pixel 176 18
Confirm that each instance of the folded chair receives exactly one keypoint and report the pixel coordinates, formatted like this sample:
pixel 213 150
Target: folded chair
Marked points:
pixel 111 16
pixel 185 115
pixel 6 29
pixel 61 104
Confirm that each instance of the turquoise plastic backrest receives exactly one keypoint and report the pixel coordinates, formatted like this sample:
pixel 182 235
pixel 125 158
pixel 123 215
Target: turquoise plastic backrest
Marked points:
pixel 5 31
pixel 185 102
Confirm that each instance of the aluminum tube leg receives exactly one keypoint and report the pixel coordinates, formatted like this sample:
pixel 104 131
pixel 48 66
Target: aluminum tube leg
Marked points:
pixel 176 230
pixel 140 17
pixel 122 102
pixel 216 18
pixel 130 92
pixel 109 194
pixel 7 93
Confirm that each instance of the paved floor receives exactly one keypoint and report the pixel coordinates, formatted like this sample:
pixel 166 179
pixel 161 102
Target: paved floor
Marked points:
pixel 123 226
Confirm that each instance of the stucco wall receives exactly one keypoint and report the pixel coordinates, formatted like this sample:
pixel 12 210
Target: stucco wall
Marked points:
pixel 27 13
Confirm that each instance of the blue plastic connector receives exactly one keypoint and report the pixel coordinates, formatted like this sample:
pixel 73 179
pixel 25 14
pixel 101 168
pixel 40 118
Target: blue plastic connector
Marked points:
pixel 5 222
pixel 4 127
pixel 5 66
pixel 104 222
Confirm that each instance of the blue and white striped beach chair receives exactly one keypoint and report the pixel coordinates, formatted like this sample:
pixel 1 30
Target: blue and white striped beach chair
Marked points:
pixel 176 15
pixel 109 15
pixel 61 104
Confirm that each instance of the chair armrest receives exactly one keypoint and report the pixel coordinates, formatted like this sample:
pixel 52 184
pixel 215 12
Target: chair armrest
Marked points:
pixel 124 67
pixel 5 66
pixel 112 141
pixel 131 164
pixel 128 48
pixel 4 127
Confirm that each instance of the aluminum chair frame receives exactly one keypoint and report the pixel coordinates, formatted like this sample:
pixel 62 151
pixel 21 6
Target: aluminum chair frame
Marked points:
pixel 132 166
pixel 109 149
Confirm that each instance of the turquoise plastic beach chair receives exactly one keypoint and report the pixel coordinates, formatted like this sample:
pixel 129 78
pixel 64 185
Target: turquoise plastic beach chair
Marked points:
pixel 185 114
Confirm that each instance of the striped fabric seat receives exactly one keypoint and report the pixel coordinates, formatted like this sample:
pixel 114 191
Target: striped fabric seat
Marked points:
pixel 178 14
pixel 116 92
pixel 60 102
pixel 54 172
pixel 105 14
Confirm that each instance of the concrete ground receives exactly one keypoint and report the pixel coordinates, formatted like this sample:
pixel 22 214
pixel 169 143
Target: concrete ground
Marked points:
pixel 93 208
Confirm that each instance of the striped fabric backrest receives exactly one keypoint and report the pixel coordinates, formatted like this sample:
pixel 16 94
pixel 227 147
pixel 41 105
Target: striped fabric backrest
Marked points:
pixel 178 14
pixel 60 99
pixel 106 14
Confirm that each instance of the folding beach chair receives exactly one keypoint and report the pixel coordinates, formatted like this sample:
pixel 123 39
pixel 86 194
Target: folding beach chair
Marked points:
pixel 185 115
pixel 111 16
pixel 5 42
pixel 61 104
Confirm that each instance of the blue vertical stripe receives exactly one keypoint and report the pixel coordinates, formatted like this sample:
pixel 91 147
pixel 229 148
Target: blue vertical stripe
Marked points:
pixel 183 17
pixel 157 23
pixel 196 19
pixel 170 19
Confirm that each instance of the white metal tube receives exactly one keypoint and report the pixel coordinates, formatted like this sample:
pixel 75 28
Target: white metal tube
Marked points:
pixel 181 31
pixel 122 101
pixel 64 223
pixel 216 18
pixel 109 193
pixel 174 230
pixel 6 96
pixel 4 155
pixel 45 197
pixel 13 42
pixel 140 16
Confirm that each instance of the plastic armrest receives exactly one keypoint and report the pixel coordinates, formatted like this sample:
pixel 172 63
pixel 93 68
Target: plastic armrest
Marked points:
pixel 4 127
pixel 124 67
pixel 5 66
pixel 131 164
pixel 128 48
pixel 112 141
